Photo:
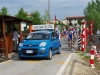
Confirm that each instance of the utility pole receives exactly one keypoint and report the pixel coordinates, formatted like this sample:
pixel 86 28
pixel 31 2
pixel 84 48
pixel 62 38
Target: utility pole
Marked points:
pixel 49 11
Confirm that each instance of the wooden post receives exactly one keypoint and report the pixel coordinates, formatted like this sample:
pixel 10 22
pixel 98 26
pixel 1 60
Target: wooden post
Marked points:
pixel 6 43
pixel 20 32
pixel 3 25
pixel 10 38
pixel 30 28
pixel 6 47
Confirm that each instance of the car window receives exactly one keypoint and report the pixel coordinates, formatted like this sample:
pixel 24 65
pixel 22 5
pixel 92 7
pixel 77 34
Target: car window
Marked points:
pixel 38 36
pixel 54 34
pixel 57 35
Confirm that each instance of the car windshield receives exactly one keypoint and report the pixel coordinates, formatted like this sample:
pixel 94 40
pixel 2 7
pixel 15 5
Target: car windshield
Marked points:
pixel 38 36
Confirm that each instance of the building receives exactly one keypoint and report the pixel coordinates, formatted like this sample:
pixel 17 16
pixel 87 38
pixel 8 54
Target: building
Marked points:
pixel 53 21
pixel 74 20
pixel 64 21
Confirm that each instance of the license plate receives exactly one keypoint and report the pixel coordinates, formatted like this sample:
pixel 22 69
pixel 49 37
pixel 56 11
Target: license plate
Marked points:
pixel 29 51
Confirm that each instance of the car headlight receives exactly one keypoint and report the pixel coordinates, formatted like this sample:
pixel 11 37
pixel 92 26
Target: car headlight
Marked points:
pixel 20 44
pixel 43 44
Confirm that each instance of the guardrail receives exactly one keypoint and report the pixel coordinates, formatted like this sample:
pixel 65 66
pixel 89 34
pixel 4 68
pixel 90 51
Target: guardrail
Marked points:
pixel 95 36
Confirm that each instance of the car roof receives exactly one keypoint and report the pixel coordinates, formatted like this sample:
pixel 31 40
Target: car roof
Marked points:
pixel 45 30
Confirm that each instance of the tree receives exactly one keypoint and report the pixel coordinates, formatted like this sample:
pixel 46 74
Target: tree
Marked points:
pixel 92 12
pixel 46 16
pixel 4 11
pixel 36 17
pixel 22 14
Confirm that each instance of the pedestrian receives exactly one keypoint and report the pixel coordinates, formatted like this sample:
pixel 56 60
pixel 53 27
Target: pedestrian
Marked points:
pixel 58 32
pixel 98 31
pixel 98 44
pixel 15 39
pixel 64 33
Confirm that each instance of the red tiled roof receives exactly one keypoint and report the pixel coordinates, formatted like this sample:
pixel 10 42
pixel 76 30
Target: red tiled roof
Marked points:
pixel 76 17
pixel 8 18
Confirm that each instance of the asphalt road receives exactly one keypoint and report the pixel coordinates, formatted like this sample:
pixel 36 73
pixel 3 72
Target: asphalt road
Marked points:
pixel 55 66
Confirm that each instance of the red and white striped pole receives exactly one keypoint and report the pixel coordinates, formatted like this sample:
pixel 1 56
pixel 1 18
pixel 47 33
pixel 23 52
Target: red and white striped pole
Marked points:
pixel 84 37
pixel 91 28
pixel 97 55
pixel 92 52
pixel 55 22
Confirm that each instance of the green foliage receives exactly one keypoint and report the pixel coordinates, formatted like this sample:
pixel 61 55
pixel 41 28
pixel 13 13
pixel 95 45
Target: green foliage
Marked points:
pixel 62 25
pixel 79 21
pixel 92 12
pixel 22 14
pixel 4 11
pixel 46 16
pixel 36 17
pixel 82 54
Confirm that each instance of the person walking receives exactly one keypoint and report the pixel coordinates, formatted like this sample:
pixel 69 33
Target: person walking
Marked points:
pixel 98 44
pixel 64 33
pixel 15 39
pixel 98 31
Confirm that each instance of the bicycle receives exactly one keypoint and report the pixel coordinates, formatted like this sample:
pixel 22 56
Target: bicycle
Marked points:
pixel 70 45
pixel 64 39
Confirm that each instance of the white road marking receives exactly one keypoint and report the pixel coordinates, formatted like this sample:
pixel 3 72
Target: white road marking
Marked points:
pixel 64 65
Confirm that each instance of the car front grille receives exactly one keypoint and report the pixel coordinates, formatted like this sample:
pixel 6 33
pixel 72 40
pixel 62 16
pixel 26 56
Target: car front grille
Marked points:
pixel 35 52
pixel 31 45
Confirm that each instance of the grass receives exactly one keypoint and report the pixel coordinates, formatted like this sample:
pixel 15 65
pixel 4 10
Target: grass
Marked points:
pixel 97 64
pixel 87 59
pixel 81 54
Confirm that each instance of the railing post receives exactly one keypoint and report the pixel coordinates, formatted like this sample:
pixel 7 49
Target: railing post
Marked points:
pixel 6 47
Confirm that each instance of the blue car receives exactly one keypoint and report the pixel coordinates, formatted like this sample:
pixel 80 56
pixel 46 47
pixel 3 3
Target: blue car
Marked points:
pixel 39 44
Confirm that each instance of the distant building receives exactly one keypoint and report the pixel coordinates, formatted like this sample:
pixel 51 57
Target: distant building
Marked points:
pixel 73 20
pixel 53 21
pixel 44 22
pixel 64 21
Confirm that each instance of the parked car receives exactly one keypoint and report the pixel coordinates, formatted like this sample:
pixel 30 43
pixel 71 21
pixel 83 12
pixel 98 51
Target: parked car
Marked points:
pixel 39 44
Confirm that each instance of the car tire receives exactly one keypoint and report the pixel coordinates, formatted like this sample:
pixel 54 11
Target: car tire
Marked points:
pixel 59 52
pixel 50 55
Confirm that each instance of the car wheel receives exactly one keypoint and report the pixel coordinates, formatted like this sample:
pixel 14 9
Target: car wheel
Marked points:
pixel 50 55
pixel 59 52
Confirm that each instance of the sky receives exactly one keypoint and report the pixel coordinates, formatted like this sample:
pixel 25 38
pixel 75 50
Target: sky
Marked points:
pixel 60 8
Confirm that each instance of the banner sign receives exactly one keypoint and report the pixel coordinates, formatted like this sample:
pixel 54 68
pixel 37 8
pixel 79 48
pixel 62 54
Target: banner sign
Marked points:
pixel 47 26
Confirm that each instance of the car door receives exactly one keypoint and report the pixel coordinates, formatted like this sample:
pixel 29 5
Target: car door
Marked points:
pixel 53 41
pixel 57 41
